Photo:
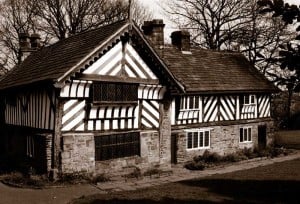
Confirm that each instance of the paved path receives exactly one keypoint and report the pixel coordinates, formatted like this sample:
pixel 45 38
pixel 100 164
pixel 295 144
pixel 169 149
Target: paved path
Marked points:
pixel 10 195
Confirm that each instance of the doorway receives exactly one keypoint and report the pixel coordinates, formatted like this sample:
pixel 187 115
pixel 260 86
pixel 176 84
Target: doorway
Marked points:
pixel 262 136
pixel 174 149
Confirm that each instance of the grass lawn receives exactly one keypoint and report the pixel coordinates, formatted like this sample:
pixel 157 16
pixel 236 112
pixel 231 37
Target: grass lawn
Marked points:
pixel 276 183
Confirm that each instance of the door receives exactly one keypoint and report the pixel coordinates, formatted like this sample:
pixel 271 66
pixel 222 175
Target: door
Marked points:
pixel 173 149
pixel 262 136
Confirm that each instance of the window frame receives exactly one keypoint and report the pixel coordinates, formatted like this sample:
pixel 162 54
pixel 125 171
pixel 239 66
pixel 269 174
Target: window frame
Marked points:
pixel 246 134
pixel 206 142
pixel 251 99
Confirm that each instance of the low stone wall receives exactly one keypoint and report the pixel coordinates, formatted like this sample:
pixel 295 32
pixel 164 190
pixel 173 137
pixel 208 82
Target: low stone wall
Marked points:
pixel 223 140
pixel 78 153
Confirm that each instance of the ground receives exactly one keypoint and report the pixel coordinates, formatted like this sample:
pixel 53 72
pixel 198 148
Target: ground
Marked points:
pixel 273 183
pixel 276 183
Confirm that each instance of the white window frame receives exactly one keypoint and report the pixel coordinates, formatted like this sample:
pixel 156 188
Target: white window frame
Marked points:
pixel 252 99
pixel 247 138
pixel 198 131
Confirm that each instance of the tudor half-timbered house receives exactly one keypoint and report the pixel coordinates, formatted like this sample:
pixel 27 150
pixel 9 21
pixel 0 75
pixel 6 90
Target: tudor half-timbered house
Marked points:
pixel 118 97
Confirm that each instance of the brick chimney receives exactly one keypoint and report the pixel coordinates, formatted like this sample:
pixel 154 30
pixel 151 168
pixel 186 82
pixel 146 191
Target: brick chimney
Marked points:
pixel 28 44
pixel 181 39
pixel 154 31
pixel 35 41
pixel 24 40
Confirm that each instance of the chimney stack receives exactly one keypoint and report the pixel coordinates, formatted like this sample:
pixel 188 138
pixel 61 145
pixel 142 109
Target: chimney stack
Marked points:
pixel 24 41
pixel 154 31
pixel 35 41
pixel 181 39
pixel 28 44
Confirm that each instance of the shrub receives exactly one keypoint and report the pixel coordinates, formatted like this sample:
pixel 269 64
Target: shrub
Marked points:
pixel 73 178
pixel 152 171
pixel 234 157
pixel 18 179
pixel 135 174
pixel 192 165
pixel 100 178
pixel 209 157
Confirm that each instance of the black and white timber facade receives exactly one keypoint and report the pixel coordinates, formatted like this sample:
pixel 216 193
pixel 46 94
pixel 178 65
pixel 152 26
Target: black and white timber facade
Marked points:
pixel 118 96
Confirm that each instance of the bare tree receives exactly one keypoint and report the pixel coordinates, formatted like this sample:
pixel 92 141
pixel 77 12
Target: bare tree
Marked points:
pixel 17 17
pixel 212 22
pixel 63 18
pixel 140 13
pixel 56 20
pixel 260 40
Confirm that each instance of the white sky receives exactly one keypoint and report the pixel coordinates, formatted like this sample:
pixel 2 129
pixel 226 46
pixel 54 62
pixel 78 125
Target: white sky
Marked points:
pixel 156 7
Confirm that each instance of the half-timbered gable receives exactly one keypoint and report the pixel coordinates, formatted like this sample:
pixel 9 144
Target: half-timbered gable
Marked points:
pixel 117 96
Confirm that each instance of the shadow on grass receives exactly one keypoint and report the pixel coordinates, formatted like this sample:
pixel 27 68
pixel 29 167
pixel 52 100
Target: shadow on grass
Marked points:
pixel 147 201
pixel 251 191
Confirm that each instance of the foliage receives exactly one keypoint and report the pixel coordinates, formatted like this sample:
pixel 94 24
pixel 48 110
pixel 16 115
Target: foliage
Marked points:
pixel 18 179
pixel 100 178
pixel 208 159
pixel 289 54
pixel 136 173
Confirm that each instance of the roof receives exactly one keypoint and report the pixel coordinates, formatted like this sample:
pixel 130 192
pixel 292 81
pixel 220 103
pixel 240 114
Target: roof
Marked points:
pixel 202 71
pixel 52 62
pixel 208 71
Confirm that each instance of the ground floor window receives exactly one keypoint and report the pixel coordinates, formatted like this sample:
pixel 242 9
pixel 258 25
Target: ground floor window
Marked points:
pixel 117 146
pixel 246 134
pixel 198 139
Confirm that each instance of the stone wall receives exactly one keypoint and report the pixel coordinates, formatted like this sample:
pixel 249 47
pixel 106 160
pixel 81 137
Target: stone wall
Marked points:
pixel 165 134
pixel 78 153
pixel 149 157
pixel 223 140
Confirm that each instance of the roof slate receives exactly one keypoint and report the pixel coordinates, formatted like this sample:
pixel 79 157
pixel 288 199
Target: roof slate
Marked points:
pixel 213 71
pixel 53 61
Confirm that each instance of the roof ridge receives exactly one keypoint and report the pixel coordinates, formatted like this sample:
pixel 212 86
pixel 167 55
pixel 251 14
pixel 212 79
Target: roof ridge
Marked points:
pixel 84 32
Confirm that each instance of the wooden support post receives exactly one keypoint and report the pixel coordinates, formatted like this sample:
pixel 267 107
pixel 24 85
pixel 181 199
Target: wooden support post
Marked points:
pixel 56 147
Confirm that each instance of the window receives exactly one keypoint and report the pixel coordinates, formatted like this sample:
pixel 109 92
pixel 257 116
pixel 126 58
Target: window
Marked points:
pixel 249 99
pixel 198 139
pixel 117 146
pixel 246 134
pixel 189 102
pixel 115 92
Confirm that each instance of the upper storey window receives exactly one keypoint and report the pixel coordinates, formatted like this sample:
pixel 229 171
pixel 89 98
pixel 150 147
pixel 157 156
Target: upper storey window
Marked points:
pixel 189 103
pixel 249 99
pixel 115 92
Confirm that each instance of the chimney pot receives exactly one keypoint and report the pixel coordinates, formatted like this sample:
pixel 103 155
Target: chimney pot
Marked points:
pixel 24 41
pixel 35 41
pixel 181 39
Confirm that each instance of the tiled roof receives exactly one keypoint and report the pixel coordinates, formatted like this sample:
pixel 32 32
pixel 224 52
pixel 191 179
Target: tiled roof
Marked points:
pixel 209 71
pixel 201 71
pixel 50 63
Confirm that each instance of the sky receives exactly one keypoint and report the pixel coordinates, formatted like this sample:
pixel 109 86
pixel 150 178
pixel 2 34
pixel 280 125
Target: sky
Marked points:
pixel 156 7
